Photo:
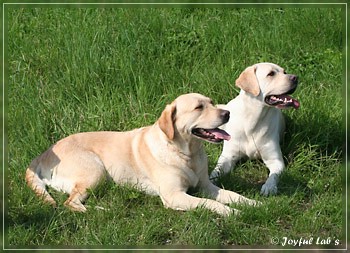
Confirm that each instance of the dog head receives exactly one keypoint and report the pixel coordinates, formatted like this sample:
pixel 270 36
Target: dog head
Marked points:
pixel 194 115
pixel 271 83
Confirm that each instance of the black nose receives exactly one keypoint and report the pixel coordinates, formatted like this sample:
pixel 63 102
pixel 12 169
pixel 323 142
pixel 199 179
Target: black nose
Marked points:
pixel 225 115
pixel 293 78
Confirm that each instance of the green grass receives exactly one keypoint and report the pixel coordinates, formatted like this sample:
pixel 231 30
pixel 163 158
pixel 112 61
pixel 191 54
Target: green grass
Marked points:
pixel 88 69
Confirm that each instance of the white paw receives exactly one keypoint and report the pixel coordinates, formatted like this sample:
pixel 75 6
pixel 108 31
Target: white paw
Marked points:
pixel 250 202
pixel 268 189
pixel 236 212
pixel 255 203
pixel 214 175
pixel 230 211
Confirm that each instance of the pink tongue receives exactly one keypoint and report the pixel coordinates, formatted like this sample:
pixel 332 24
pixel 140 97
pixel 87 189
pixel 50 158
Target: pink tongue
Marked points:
pixel 296 104
pixel 219 134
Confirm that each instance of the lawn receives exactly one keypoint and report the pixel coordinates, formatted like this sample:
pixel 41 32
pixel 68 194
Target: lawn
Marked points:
pixel 81 69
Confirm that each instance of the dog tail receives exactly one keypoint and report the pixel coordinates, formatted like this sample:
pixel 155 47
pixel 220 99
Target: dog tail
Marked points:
pixel 34 181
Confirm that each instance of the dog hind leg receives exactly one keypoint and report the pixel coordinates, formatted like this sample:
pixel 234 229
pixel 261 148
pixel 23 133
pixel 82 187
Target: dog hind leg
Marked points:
pixel 36 183
pixel 76 173
pixel 76 197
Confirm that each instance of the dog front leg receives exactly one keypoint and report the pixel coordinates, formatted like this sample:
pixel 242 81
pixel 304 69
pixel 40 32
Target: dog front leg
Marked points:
pixel 225 196
pixel 224 165
pixel 276 167
pixel 182 201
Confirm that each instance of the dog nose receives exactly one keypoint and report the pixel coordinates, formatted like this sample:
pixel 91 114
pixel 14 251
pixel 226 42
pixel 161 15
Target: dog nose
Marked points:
pixel 293 78
pixel 225 115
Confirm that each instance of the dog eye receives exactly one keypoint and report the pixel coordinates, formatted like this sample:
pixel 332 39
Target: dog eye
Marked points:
pixel 272 73
pixel 199 107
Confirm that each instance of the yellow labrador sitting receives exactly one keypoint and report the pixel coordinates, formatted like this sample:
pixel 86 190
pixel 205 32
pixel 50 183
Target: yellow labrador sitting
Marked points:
pixel 164 159
pixel 256 121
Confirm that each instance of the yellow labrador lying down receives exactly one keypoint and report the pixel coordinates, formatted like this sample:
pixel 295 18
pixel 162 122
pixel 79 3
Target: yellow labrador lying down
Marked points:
pixel 164 159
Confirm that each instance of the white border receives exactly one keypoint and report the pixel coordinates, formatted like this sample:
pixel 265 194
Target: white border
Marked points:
pixel 180 249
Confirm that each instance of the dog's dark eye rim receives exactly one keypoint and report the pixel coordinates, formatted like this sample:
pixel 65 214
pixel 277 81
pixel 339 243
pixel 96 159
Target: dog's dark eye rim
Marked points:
pixel 199 107
pixel 272 73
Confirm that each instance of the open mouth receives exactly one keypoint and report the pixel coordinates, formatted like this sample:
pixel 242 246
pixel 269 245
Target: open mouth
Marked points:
pixel 283 101
pixel 215 135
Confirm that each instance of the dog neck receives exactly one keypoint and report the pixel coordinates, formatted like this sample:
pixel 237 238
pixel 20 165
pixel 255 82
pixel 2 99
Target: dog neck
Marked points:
pixel 188 146
pixel 256 107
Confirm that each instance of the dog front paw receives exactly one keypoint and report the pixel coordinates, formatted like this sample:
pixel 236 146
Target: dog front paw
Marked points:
pixel 256 203
pixel 268 189
pixel 215 174
pixel 250 202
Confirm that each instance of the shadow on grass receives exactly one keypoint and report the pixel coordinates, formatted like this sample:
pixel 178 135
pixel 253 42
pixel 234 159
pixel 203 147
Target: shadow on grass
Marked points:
pixel 288 183
pixel 321 132
pixel 28 218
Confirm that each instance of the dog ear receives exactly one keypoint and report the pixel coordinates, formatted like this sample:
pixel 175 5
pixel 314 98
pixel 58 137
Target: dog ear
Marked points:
pixel 248 82
pixel 166 121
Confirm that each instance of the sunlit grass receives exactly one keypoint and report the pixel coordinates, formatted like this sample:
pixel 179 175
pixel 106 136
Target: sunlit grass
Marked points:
pixel 91 69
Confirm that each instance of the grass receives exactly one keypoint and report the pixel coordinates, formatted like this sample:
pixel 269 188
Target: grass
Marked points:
pixel 87 69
